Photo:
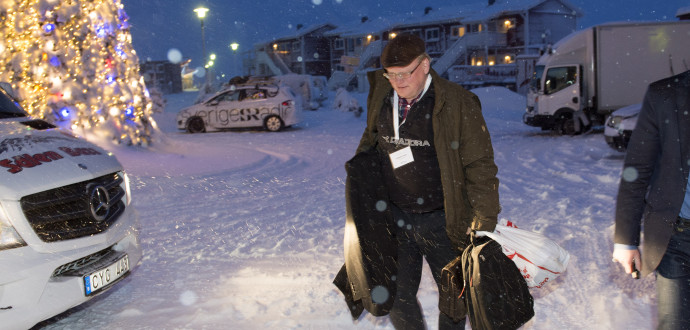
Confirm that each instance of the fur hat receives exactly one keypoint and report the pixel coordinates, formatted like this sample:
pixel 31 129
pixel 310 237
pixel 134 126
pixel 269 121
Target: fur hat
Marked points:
pixel 402 50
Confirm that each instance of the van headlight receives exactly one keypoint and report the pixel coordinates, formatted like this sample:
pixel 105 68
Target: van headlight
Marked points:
pixel 125 186
pixel 9 238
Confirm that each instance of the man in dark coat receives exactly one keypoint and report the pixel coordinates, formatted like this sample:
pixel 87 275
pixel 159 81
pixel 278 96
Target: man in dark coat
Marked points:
pixel 437 163
pixel 654 196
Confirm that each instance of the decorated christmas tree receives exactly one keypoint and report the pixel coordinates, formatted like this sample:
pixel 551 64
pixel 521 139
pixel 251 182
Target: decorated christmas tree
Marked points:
pixel 71 62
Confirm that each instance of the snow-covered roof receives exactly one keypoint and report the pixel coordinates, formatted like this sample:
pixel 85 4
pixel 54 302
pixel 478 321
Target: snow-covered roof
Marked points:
pixel 683 11
pixel 508 7
pixel 476 12
pixel 302 31
pixel 479 12
pixel 362 27
pixel 444 15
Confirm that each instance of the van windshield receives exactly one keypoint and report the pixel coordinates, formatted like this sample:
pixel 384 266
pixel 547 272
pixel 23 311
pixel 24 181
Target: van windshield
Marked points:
pixel 9 108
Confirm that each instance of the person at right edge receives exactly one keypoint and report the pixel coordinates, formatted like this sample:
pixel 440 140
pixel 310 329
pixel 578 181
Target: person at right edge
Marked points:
pixel 654 190
pixel 438 168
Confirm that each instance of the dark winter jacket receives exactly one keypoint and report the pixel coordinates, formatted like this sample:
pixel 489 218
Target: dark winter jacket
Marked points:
pixel 659 156
pixel 464 152
pixel 366 280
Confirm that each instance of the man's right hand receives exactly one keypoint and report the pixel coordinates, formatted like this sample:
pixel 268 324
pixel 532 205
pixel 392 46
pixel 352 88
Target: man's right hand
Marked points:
pixel 627 258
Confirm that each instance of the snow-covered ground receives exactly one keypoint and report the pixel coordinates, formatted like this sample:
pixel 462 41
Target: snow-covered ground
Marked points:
pixel 244 230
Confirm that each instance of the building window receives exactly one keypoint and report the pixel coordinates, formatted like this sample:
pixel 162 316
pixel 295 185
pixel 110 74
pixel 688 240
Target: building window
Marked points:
pixel 350 45
pixel 457 31
pixel 478 61
pixel 432 34
pixel 295 45
pixel 358 42
pixel 474 28
pixel 339 44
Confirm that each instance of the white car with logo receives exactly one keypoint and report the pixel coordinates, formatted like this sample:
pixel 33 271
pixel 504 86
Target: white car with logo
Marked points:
pixel 68 230
pixel 269 106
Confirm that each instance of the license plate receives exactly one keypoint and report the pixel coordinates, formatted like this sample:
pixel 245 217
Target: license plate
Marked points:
pixel 101 278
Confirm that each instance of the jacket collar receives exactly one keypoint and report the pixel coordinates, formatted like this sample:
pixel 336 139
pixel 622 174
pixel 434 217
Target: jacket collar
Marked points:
pixel 440 92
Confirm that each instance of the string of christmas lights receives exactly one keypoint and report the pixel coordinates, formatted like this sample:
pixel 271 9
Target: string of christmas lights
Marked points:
pixel 72 61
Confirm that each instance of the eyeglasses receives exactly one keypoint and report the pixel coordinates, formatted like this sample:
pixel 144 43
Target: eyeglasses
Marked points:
pixel 402 75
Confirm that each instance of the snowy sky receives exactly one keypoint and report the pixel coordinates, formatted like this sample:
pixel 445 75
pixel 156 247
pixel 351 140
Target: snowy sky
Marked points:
pixel 161 25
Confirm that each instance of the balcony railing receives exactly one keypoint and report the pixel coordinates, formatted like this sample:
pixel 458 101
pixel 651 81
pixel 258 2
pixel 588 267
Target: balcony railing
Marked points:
pixel 484 38
pixel 502 74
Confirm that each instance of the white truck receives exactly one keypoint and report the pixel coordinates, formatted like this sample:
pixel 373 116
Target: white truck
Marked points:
pixel 592 72
pixel 68 230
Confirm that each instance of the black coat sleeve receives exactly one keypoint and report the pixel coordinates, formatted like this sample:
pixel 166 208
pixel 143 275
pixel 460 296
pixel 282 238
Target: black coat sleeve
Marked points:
pixel 640 163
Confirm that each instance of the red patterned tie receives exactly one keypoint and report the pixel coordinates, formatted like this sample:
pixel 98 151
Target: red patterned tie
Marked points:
pixel 405 106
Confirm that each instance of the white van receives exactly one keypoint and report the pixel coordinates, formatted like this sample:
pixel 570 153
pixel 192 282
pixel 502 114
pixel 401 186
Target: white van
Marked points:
pixel 68 230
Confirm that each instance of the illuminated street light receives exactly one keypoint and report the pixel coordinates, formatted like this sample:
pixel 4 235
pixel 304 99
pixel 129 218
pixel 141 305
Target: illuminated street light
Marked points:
pixel 211 61
pixel 234 46
pixel 201 13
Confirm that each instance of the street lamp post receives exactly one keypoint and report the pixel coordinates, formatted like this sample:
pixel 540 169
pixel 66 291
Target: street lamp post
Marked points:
pixel 201 13
pixel 234 46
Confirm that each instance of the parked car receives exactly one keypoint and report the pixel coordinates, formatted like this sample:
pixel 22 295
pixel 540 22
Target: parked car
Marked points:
pixel 619 126
pixel 270 106
pixel 68 230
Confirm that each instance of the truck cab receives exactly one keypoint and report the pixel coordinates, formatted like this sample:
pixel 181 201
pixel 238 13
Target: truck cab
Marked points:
pixel 558 87
pixel 592 72
pixel 557 98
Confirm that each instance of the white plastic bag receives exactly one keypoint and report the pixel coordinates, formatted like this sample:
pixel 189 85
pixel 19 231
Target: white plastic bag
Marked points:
pixel 538 258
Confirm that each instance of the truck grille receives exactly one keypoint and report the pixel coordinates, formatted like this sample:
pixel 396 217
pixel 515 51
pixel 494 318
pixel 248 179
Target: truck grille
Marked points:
pixel 77 210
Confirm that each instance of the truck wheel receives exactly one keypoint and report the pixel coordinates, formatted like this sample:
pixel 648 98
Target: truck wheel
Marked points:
pixel 196 125
pixel 273 123
pixel 567 127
